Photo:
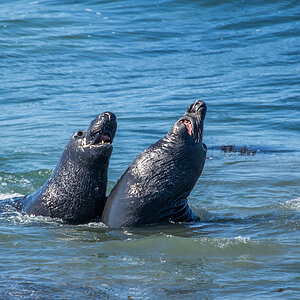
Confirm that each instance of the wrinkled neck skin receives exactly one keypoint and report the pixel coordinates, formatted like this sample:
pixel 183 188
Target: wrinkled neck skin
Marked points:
pixel 156 185
pixel 75 192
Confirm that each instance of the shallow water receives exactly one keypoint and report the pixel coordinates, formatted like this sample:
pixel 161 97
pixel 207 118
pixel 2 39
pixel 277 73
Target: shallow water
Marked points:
pixel 64 62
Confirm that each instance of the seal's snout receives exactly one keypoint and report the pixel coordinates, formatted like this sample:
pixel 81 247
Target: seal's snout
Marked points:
pixel 197 107
pixel 105 119
pixel 109 115
pixel 199 104
pixel 102 129
pixel 193 119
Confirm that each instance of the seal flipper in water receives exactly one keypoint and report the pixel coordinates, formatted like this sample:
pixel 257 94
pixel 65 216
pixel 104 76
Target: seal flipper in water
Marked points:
pixel 76 190
pixel 155 187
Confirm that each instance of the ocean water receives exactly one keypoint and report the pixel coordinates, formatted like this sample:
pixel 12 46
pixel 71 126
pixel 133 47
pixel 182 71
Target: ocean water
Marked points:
pixel 64 62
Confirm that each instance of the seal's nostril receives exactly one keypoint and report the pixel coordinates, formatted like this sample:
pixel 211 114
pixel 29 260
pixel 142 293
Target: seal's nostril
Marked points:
pixel 196 106
pixel 199 104
pixel 107 114
pixel 111 116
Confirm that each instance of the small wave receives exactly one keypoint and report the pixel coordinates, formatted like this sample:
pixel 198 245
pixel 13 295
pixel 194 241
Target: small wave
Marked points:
pixel 18 217
pixel 203 214
pixel 175 246
pixel 10 214
pixel 93 224
pixel 21 217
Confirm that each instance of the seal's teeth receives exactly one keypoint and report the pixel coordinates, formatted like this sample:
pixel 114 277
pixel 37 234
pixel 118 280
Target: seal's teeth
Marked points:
pixel 102 142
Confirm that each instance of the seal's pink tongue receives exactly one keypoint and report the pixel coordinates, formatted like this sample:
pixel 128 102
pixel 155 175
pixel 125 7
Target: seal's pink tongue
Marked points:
pixel 188 127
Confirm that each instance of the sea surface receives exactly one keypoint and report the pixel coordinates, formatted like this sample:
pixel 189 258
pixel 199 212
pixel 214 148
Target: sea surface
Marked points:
pixel 64 62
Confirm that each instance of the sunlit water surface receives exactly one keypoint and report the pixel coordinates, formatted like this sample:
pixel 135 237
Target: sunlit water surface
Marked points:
pixel 64 62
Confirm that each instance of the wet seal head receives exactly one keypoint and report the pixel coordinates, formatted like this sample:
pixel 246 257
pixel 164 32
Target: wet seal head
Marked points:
pixel 189 128
pixel 97 139
pixel 193 120
pixel 102 130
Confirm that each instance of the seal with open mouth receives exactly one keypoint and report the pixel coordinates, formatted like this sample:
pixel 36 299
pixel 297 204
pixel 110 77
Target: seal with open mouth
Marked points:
pixel 75 192
pixel 155 187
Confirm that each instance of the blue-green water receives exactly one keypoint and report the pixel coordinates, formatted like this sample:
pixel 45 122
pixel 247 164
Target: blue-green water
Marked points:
pixel 64 62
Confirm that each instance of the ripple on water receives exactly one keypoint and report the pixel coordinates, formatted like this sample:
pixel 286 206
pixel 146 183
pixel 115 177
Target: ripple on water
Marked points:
pixel 187 248
pixel 65 61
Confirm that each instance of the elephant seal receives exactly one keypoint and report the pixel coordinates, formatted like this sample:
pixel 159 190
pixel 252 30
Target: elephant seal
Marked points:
pixel 155 187
pixel 76 190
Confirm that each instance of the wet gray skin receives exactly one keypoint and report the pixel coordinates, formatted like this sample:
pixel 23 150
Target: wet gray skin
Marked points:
pixel 155 187
pixel 76 190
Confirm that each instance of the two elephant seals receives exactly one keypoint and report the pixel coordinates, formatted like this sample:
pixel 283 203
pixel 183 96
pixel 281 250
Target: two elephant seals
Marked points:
pixel 75 192
pixel 155 187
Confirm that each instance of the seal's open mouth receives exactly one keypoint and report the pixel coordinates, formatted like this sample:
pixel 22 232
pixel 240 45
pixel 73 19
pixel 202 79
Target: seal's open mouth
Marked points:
pixel 102 130
pixel 100 139
pixel 188 125
pixel 193 120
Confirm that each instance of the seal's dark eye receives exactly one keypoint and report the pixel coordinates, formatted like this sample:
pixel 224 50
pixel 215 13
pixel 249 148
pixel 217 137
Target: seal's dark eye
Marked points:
pixel 78 134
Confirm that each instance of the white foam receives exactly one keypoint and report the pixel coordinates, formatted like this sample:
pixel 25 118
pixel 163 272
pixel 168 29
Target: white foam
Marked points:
pixel 6 196
pixel 23 218
pixel 292 204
